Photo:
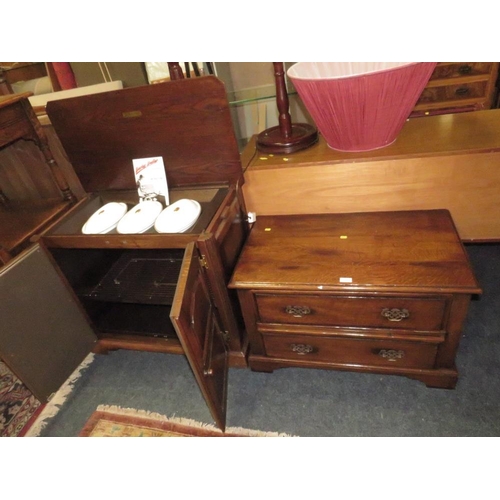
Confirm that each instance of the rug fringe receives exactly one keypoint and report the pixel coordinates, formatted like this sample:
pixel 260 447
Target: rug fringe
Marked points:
pixel 188 422
pixel 54 405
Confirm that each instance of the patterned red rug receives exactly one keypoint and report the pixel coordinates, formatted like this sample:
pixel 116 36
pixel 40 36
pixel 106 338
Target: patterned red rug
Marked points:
pixel 18 407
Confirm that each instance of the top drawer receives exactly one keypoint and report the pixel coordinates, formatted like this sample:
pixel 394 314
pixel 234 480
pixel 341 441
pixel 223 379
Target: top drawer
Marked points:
pixel 424 314
pixel 460 69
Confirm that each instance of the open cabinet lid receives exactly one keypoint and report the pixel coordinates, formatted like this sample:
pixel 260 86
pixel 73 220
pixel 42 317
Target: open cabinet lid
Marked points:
pixel 44 334
pixel 197 325
pixel 186 122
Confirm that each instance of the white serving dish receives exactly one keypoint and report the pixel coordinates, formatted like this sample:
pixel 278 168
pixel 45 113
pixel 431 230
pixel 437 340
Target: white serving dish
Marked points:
pixel 140 218
pixel 178 217
pixel 105 219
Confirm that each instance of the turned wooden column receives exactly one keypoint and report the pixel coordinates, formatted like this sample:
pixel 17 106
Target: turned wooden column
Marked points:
pixel 287 137
pixel 42 142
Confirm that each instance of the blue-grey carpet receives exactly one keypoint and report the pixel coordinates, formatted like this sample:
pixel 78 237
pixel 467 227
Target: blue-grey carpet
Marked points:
pixel 305 402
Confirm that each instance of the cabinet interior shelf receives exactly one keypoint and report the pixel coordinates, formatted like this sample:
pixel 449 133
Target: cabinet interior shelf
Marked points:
pixel 124 292
pixel 145 278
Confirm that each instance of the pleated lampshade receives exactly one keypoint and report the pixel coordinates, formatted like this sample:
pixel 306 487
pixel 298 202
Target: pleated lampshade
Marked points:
pixel 360 106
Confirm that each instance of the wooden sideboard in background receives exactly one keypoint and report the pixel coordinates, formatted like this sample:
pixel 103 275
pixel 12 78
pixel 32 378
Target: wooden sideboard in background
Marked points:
pixel 448 161
pixel 459 86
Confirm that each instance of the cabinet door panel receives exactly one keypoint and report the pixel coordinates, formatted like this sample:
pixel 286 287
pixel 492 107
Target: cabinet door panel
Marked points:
pixel 44 334
pixel 198 328
pixel 221 245
pixel 229 228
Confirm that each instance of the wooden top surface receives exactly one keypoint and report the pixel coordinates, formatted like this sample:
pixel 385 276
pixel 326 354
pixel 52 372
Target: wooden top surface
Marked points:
pixel 7 100
pixel 380 251
pixel 457 133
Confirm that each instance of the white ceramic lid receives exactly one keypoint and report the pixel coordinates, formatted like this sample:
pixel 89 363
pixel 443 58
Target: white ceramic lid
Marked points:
pixel 105 219
pixel 178 217
pixel 140 218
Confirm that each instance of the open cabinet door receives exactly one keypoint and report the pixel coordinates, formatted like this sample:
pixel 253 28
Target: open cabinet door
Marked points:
pixel 44 335
pixel 220 245
pixel 198 328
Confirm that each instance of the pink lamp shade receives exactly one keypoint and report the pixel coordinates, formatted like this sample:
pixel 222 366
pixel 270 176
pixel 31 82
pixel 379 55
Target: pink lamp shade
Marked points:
pixel 360 106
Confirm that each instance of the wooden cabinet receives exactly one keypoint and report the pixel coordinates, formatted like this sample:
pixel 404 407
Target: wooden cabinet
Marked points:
pixel 373 292
pixel 33 193
pixel 459 86
pixel 149 291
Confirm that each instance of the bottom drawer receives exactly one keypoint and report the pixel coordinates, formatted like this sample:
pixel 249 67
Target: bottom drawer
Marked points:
pixel 351 351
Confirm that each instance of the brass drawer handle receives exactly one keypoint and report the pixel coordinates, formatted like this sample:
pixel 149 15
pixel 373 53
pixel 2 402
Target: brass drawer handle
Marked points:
pixel 298 311
pixel 391 354
pixel 462 91
pixel 395 314
pixel 302 349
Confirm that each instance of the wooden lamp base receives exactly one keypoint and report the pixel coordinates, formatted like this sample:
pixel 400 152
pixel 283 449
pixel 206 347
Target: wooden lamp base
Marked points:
pixel 287 137
pixel 272 140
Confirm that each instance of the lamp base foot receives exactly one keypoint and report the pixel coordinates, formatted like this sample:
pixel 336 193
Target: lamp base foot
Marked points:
pixel 273 141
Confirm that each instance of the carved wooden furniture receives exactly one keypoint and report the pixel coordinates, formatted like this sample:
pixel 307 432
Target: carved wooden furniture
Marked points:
pixel 11 73
pixel 23 71
pixel 371 292
pixel 448 161
pixel 33 192
pixel 156 292
pixel 26 72
pixel 458 86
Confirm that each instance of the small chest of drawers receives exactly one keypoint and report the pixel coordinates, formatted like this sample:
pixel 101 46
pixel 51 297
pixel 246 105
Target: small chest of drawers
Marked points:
pixel 384 292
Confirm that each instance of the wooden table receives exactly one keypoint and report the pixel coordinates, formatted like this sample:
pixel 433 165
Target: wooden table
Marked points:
pixel 448 161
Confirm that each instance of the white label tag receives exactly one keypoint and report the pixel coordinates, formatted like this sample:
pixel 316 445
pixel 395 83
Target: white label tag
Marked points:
pixel 151 178
pixel 345 280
